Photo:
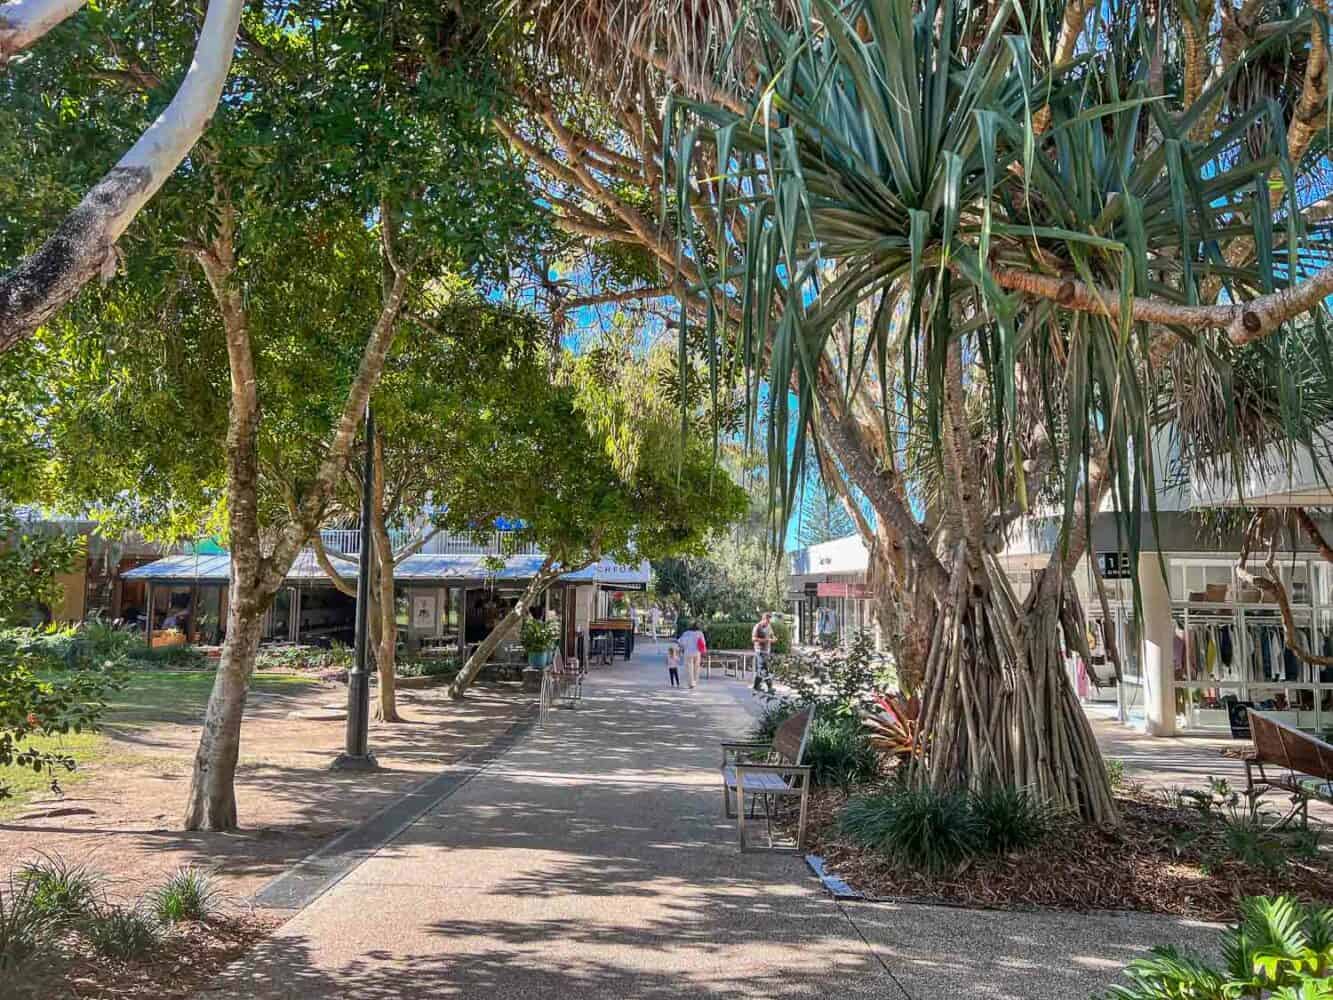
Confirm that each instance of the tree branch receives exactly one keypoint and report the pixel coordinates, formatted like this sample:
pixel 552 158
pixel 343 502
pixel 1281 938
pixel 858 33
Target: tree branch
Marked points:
pixel 24 22
pixel 326 564
pixel 83 246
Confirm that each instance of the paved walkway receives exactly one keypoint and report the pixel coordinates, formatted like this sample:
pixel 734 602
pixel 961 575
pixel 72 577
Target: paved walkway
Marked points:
pixel 591 861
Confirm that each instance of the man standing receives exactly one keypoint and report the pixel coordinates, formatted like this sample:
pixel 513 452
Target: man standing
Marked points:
pixel 694 647
pixel 762 638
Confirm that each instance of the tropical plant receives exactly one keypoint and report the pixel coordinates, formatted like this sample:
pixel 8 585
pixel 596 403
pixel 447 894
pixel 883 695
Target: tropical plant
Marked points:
pixel 1281 948
pixel 892 721
pixel 539 636
pixel 188 894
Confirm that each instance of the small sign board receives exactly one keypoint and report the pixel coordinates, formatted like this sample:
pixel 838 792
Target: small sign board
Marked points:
pixel 1115 565
pixel 834 589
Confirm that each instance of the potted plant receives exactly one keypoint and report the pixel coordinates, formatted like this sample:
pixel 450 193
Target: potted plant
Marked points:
pixel 539 640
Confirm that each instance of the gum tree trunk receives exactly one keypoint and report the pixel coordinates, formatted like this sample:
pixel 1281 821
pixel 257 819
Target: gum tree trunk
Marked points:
pixel 212 801
pixel 256 576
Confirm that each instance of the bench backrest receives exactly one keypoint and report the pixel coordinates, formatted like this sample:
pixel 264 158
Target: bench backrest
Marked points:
pixel 791 737
pixel 1280 744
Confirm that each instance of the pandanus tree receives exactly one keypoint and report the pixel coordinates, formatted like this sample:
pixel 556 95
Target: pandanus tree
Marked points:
pixel 1008 241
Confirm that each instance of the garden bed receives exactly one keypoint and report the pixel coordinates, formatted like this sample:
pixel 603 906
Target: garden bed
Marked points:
pixel 186 962
pixel 1164 858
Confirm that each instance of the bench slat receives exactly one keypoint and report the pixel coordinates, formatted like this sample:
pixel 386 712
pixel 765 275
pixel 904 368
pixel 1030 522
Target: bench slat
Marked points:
pixel 756 781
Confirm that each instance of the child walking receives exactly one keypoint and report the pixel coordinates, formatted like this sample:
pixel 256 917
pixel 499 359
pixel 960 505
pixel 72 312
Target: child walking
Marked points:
pixel 673 664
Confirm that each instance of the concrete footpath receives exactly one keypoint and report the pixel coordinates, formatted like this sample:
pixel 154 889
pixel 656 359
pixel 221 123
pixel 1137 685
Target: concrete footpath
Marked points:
pixel 591 860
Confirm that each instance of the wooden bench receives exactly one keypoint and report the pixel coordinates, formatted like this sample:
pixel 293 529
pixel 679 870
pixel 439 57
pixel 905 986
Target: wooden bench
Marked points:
pixel 767 772
pixel 1307 764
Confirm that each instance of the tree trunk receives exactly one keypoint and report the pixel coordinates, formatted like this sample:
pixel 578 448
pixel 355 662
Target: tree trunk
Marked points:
pixel 386 707
pixel 212 801
pixel 502 629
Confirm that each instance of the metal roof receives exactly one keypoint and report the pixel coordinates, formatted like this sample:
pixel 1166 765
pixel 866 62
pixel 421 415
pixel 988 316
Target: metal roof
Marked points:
pixel 417 568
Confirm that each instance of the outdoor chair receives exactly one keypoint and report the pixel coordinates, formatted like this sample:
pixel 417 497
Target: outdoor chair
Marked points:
pixel 768 772
pixel 1304 767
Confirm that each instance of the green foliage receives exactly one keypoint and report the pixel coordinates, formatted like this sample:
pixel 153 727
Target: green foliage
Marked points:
pixel 837 681
pixel 934 831
pixel 189 894
pixel 93 645
pixel 428 666
pixel 1281 948
pixel 736 635
pixel 774 713
pixel 24 928
pixel 31 560
pixel 62 892
pixel 1010 819
pixel 1115 773
pixel 125 933
pixel 539 636
pixel 921 829
pixel 840 753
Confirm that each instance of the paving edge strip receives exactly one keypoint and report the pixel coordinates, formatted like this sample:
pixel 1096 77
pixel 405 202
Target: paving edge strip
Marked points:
pixel 836 887
pixel 320 871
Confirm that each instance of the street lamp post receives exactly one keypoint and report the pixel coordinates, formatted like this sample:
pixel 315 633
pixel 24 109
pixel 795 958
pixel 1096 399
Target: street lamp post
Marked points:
pixel 356 754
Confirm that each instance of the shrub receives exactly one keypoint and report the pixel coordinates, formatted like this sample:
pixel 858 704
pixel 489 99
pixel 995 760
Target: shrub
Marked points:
pixel 189 894
pixel 1011 819
pixel 917 828
pixel 838 681
pixel 23 927
pixel 775 713
pixel 62 892
pixel 121 932
pixel 736 635
pixel 840 753
pixel 429 666
pixel 1115 773
pixel 1280 947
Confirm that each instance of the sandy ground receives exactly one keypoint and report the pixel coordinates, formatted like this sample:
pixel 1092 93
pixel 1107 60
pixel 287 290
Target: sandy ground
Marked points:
pixel 124 819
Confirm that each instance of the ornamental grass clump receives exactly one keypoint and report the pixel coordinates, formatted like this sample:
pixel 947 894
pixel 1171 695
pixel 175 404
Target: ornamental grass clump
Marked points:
pixel 24 927
pixel 921 829
pixel 934 831
pixel 189 894
pixel 122 932
pixel 61 891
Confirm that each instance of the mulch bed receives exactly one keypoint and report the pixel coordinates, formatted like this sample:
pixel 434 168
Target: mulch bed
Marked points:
pixel 1162 859
pixel 190 957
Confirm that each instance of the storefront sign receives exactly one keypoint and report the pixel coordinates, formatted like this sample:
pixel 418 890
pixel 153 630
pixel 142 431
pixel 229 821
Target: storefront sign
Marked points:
pixel 1115 565
pixel 857 590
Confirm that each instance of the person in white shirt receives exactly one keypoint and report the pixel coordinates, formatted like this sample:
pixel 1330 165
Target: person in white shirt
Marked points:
pixel 694 647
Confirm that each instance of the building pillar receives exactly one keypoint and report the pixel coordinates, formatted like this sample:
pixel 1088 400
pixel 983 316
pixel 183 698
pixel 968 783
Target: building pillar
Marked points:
pixel 1157 650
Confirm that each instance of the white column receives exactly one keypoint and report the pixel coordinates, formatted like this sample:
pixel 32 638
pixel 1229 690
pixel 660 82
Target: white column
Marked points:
pixel 1157 652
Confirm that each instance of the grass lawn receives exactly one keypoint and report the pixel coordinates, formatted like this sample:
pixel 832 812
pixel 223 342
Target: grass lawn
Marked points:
pixel 151 697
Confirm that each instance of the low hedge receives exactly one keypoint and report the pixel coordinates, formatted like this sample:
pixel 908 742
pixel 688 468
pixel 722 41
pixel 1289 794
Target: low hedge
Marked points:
pixel 736 635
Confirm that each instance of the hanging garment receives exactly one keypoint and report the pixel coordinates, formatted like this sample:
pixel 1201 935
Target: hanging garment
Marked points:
pixel 1210 657
pixel 1265 651
pixel 1224 649
pixel 1326 673
pixel 1291 664
pixel 1276 647
pixel 1178 661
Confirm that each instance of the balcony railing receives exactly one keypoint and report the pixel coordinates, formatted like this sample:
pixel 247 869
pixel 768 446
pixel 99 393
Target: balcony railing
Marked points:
pixel 348 542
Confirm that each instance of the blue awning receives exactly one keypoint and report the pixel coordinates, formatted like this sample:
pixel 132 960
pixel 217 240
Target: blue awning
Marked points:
pixel 419 568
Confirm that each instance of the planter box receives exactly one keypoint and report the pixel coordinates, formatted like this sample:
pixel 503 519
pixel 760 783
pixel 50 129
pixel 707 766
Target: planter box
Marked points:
pixel 412 683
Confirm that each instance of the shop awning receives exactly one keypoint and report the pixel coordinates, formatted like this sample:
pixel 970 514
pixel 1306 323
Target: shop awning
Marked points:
pixel 419 568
